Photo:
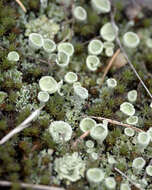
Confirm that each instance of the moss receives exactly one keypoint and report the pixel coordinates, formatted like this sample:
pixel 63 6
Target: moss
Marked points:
pixel 121 166
pixel 55 107
pixel 47 140
pixel 124 150
pixel 22 115
pixel 45 179
pixel 7 17
pixel 79 48
pixel 3 124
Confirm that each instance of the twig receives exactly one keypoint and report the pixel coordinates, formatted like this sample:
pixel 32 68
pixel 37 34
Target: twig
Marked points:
pixel 109 66
pixel 112 13
pixel 27 185
pixel 118 123
pixel 120 172
pixel 21 5
pixel 80 138
pixel 22 126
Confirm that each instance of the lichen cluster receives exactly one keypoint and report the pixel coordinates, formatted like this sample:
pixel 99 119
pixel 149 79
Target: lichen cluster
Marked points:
pixel 53 59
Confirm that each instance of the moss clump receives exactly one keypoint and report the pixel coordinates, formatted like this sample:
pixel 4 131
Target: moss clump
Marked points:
pixel 55 107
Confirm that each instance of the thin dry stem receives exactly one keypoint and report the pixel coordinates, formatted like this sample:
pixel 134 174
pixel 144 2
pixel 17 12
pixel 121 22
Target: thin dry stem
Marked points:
pixel 118 123
pixel 112 14
pixel 21 5
pixel 124 175
pixel 109 66
pixel 80 138
pixel 22 126
pixel 27 185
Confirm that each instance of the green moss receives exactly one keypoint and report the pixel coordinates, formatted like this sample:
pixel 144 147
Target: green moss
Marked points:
pixel 22 115
pixel 3 124
pixel 121 166
pixel 55 107
pixel 124 150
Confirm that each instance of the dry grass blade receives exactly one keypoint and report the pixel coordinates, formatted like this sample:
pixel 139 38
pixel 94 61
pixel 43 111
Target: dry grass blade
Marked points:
pixel 80 138
pixel 109 66
pixel 21 5
pixel 133 183
pixel 27 185
pixel 112 14
pixel 118 123
pixel 22 126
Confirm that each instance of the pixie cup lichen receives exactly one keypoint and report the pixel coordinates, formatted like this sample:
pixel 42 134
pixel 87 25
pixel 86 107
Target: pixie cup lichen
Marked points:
pixel 111 83
pixel 132 120
pixel 66 47
pixel 62 59
pixel 109 52
pixel 60 131
pixel 132 95
pixel 71 77
pixel 49 45
pixel 99 133
pixel 95 47
pixel 81 92
pixel 87 124
pixel 92 62
pixel 95 175
pixel 110 183
pixel 131 40
pixel 43 96
pixel 79 14
pixel 48 84
pixel 138 164
pixel 127 108
pixel 101 6
pixel 143 140
pixel 129 132
pixel 36 40
pixel 108 32
pixel 149 170
pixel 13 56
pixel 125 186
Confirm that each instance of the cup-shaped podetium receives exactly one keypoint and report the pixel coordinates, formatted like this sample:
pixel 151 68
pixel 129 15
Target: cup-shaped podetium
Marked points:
pixel 36 40
pixel 110 183
pixel 99 133
pixel 101 6
pixel 149 170
pixel 95 175
pixel 87 124
pixel 81 92
pixel 13 56
pixel 66 47
pixel 62 59
pixel 127 108
pixel 80 14
pixel 43 96
pixel 48 84
pixel 60 131
pixel 92 62
pixel 108 32
pixel 138 164
pixel 71 77
pixel 143 140
pixel 131 40
pixel 49 45
pixel 95 47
